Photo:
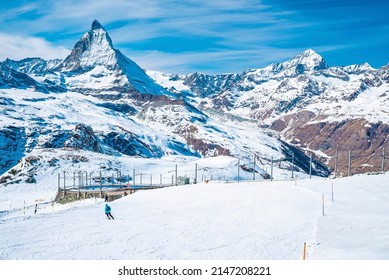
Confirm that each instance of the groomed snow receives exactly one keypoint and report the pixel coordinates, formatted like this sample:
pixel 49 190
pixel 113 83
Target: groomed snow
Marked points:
pixel 247 220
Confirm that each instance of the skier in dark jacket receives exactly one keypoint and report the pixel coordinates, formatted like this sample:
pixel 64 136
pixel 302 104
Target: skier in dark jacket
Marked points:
pixel 108 212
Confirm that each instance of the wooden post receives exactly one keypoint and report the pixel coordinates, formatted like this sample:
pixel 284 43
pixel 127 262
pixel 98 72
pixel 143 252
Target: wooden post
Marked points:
pixel 383 160
pixel 305 251
pixel 271 169
pixel 310 165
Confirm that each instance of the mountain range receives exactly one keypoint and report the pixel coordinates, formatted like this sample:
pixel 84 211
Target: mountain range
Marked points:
pixel 99 100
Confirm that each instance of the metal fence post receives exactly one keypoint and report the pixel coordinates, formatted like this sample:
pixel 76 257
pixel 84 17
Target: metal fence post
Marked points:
pixel 238 169
pixel 133 177
pixel 195 180
pixel 176 176
pixel 101 185
pixel 349 163
pixel 254 170
pixel 59 181
pixel 336 162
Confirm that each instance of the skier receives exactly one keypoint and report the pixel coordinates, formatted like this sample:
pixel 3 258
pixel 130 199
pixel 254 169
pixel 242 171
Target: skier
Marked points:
pixel 36 208
pixel 108 212
pixel 106 198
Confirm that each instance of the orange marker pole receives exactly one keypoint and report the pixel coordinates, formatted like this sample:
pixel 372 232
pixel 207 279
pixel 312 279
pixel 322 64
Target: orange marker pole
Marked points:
pixel 305 251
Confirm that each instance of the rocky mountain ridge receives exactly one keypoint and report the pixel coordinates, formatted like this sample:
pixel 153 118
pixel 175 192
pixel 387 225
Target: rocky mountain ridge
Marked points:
pixel 99 100
pixel 302 96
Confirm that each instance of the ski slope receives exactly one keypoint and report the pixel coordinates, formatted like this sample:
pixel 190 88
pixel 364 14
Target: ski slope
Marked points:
pixel 246 220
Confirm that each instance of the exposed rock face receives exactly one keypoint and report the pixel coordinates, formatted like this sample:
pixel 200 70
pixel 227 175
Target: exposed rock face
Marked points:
pixel 12 146
pixel 366 140
pixel 9 78
pixel 207 85
pixel 84 138
pixel 206 148
pixel 128 144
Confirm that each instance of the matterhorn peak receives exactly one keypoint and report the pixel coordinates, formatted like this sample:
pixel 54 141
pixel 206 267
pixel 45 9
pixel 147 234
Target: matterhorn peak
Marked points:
pixel 94 48
pixel 96 25
pixel 95 57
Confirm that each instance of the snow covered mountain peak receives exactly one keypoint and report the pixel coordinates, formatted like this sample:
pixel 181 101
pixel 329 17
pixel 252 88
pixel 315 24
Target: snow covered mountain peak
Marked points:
pixel 94 65
pixel 94 48
pixel 96 25
pixel 308 60
pixel 358 68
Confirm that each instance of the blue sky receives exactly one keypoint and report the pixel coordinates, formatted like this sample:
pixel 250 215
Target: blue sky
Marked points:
pixel 215 36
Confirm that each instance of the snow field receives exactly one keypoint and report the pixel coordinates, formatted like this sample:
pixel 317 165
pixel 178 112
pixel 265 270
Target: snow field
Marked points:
pixel 247 220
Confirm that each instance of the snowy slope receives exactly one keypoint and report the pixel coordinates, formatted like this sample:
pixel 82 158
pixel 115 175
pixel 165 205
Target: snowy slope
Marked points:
pixel 33 121
pixel 257 220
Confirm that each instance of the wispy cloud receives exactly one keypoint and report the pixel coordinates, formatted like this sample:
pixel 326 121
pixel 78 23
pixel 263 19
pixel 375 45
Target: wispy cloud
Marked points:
pixel 18 47
pixel 221 61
